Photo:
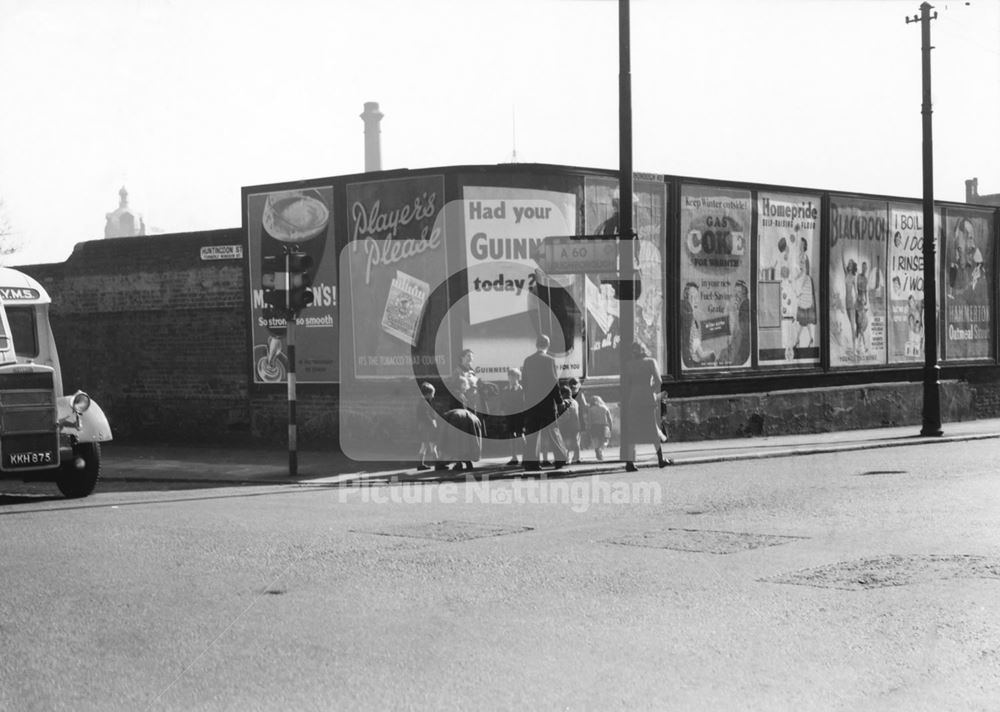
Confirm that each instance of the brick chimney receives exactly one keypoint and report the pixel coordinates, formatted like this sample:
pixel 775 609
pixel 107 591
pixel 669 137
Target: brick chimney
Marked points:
pixel 373 143
pixel 971 190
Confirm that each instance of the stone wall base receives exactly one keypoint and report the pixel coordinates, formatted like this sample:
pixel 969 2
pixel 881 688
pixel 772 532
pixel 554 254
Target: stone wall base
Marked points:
pixel 817 410
pixel 386 423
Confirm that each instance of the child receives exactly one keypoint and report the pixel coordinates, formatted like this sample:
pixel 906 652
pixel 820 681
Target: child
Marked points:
pixel 427 426
pixel 581 400
pixel 513 410
pixel 569 423
pixel 599 425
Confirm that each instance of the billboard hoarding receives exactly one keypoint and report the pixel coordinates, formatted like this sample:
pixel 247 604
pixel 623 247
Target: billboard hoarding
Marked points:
pixel 302 218
pixel 510 298
pixel 715 278
pixel 396 255
pixel 858 230
pixel 788 319
pixel 649 218
pixel 969 287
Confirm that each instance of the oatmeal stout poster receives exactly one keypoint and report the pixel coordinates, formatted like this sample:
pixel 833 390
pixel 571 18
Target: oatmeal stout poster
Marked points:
pixel 858 232
pixel 970 286
pixel 788 325
pixel 299 218
pixel 715 278
pixel 395 256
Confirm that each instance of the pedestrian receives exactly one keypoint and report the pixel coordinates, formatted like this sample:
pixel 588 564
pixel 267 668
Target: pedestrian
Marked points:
pixel 512 407
pixel 641 409
pixel 599 425
pixel 426 419
pixel 462 433
pixel 569 423
pixel 576 389
pixel 541 383
pixel 464 382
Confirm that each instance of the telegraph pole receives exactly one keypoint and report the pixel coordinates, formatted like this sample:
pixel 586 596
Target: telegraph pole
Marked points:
pixel 626 245
pixel 932 371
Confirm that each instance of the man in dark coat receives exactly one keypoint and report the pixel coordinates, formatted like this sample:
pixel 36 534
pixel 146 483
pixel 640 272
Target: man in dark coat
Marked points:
pixel 541 395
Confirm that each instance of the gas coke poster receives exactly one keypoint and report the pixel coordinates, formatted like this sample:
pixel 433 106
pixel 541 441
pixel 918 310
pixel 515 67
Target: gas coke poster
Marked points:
pixel 969 289
pixel 788 324
pixel 393 261
pixel 715 278
pixel 858 232
pixel 510 298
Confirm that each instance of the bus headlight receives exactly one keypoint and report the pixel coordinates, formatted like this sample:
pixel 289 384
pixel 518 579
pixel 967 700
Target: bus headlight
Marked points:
pixel 81 402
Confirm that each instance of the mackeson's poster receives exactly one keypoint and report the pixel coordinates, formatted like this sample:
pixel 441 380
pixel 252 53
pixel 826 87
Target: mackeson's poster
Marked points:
pixel 510 299
pixel 788 325
pixel 298 219
pixel 858 230
pixel 715 278
pixel 394 258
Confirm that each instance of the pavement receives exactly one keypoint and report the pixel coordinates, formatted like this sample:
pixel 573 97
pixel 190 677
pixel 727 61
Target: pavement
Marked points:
pixel 230 466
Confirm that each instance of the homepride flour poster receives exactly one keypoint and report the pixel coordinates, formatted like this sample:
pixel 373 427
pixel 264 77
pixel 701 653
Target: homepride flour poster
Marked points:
pixel 510 301
pixel 788 326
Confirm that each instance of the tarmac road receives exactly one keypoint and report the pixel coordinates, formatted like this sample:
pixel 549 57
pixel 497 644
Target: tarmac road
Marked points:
pixel 864 579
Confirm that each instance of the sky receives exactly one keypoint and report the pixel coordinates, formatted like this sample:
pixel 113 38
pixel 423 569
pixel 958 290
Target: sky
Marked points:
pixel 185 101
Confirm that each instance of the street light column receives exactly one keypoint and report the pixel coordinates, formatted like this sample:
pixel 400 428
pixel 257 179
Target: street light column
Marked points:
pixel 932 371
pixel 626 245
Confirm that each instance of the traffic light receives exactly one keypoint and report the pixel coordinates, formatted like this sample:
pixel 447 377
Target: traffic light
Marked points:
pixel 300 278
pixel 271 278
pixel 299 299
pixel 624 289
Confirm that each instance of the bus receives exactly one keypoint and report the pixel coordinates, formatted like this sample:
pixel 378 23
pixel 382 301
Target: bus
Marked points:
pixel 45 436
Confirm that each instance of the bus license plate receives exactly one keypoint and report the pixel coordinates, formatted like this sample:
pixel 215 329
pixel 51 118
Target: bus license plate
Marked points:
pixel 31 458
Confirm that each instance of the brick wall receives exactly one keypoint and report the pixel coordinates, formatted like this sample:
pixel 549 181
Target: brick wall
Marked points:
pixel 158 337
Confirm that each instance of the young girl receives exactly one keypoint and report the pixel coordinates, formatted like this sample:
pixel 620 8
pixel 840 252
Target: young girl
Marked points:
pixel 576 391
pixel 512 401
pixel 599 425
pixel 569 423
pixel 426 426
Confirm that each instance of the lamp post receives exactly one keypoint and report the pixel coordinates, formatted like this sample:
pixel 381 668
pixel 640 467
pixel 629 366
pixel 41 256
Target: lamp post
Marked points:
pixel 626 245
pixel 932 371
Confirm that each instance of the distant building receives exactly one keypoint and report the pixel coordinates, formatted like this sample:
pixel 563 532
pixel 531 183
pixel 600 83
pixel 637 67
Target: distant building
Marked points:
pixel 123 222
pixel 972 194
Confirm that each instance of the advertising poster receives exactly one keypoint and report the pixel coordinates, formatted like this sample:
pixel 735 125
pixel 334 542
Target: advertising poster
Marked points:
pixel 649 219
pixel 969 288
pixel 788 324
pixel 906 282
pixel 715 278
pixel 396 258
pixel 510 299
pixel 858 231
pixel 298 218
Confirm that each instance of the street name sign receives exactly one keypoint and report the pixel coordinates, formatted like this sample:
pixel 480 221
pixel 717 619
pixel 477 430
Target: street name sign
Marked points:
pixel 581 254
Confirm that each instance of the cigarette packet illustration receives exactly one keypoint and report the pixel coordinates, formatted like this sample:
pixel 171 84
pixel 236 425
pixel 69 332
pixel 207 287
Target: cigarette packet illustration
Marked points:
pixel 404 307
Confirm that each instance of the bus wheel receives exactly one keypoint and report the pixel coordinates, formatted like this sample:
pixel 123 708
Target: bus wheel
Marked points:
pixel 75 482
